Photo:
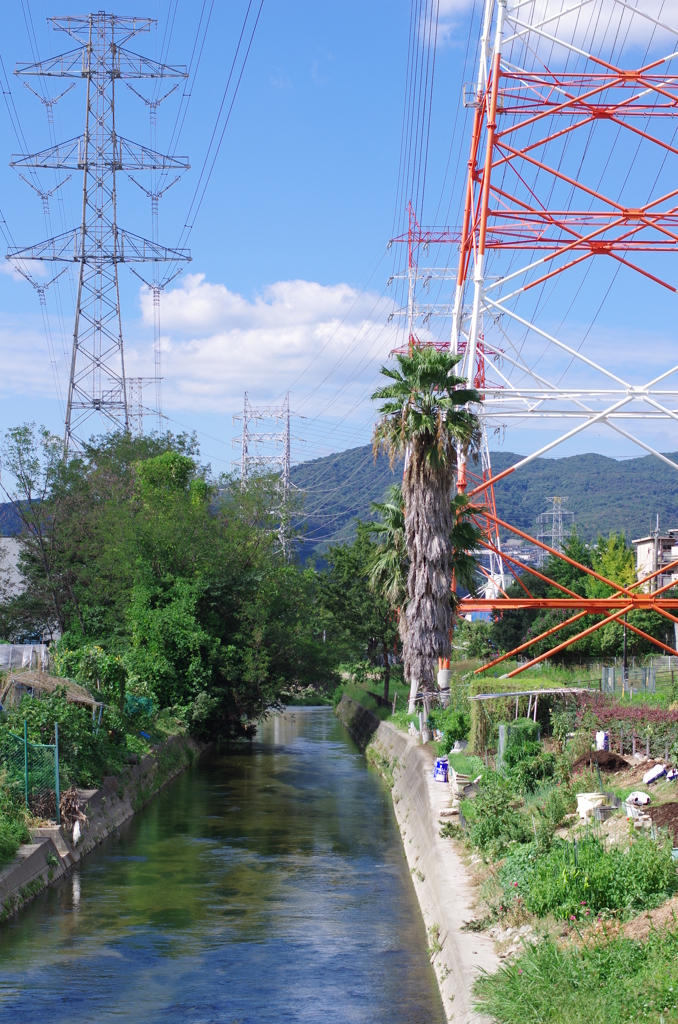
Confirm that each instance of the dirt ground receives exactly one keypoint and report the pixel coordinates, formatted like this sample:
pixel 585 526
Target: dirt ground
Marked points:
pixel 666 816
pixel 606 760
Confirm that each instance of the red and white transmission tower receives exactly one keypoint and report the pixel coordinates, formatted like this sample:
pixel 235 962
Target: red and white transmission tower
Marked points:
pixel 419 313
pixel 572 169
pixel 549 190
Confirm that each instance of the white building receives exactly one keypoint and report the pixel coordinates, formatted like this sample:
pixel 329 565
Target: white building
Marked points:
pixel 654 552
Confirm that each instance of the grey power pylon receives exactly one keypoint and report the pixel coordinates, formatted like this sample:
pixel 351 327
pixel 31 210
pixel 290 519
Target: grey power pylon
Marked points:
pixel 97 384
pixel 277 461
pixel 252 440
pixel 551 525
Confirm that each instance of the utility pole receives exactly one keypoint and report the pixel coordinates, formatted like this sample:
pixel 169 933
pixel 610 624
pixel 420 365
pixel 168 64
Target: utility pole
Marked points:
pixel 97 384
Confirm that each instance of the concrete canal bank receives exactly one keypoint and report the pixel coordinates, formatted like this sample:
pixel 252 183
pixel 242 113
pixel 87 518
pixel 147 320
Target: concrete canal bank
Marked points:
pixel 442 884
pixel 52 852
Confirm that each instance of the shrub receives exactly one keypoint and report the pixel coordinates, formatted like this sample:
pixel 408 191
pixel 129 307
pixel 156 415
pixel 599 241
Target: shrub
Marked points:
pixel 84 758
pixel 579 880
pixel 493 823
pixel 533 769
pixel 453 724
pixel 13 830
pixel 337 695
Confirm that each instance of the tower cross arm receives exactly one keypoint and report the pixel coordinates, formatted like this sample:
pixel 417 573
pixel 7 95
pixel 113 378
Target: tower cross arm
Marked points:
pixel 126 248
pixel 123 26
pixel 123 155
pixel 121 64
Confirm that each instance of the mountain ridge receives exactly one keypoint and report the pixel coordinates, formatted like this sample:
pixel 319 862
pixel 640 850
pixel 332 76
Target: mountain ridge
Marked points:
pixel 606 495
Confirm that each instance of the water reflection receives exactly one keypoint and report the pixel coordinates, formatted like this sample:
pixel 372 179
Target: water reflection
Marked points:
pixel 267 886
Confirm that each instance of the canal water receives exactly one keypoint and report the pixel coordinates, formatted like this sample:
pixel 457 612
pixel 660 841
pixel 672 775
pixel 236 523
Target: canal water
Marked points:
pixel 267 886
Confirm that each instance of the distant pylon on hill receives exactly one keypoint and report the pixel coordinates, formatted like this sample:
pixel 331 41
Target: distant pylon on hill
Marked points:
pixel 253 454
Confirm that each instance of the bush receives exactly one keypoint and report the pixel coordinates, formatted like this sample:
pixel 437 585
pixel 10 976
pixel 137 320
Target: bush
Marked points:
pixel 84 758
pixel 493 823
pixel 337 695
pixel 580 880
pixel 453 724
pixel 531 770
pixel 13 830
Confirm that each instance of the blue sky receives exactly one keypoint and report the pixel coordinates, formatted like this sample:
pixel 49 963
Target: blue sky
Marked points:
pixel 287 288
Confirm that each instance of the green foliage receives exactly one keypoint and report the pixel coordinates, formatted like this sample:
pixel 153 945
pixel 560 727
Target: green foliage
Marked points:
pixel 84 758
pixel 533 769
pixel 453 724
pixel 337 694
pixel 473 640
pixel 13 828
pixel 389 564
pixel 425 402
pixel 361 622
pixel 493 823
pixel 165 584
pixel 608 982
pixel 577 881
pixel 89 665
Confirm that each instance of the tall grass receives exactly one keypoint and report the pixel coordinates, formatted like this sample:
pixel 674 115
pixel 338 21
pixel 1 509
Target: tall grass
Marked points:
pixel 579 880
pixel 613 982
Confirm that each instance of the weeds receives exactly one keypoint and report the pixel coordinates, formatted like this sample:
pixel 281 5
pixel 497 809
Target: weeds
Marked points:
pixel 450 830
pixel 434 944
pixel 614 981
pixel 576 881
pixel 382 763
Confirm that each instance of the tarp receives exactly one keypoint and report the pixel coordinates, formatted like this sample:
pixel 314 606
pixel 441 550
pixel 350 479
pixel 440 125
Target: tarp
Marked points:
pixel 24 656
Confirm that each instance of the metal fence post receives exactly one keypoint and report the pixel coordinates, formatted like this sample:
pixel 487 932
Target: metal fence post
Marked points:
pixel 56 772
pixel 26 758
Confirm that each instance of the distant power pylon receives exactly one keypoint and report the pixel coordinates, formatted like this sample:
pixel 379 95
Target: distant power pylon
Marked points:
pixel 252 457
pixel 551 525
pixel 251 441
pixel 97 385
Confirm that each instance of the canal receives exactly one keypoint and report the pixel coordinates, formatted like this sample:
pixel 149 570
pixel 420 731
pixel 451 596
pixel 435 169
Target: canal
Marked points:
pixel 266 886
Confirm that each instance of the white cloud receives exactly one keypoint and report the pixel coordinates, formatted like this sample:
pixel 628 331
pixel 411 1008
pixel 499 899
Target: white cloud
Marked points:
pixel 319 340
pixel 610 23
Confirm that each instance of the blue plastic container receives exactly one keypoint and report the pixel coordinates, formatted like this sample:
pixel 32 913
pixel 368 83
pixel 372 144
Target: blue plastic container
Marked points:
pixel 440 769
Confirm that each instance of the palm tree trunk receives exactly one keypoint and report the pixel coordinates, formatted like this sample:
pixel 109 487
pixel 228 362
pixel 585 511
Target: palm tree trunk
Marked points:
pixel 428 524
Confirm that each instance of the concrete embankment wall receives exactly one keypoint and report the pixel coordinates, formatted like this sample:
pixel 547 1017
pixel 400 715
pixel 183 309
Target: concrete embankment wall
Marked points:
pixel 51 853
pixel 444 890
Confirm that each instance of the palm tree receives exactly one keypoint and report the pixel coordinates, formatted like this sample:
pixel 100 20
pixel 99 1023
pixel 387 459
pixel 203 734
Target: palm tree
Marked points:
pixel 424 415
pixel 388 572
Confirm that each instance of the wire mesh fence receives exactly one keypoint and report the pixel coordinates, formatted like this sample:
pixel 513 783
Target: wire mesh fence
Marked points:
pixel 33 770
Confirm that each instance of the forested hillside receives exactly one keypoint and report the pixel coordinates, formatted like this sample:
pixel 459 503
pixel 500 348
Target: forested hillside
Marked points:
pixel 605 494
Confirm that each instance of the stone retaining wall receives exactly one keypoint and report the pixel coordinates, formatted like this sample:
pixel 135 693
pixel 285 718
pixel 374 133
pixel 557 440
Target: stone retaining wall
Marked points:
pixel 51 853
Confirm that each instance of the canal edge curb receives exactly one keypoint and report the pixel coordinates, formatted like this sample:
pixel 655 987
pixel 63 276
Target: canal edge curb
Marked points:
pixel 443 885
pixel 50 854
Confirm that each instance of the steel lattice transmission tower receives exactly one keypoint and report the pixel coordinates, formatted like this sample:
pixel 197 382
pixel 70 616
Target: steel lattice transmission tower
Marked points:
pixel 251 441
pixel 278 461
pixel 97 385
pixel 551 523
pixel 419 314
pixel 572 169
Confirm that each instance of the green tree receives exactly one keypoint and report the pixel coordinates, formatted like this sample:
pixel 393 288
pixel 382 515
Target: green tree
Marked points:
pixel 169 584
pixel 424 413
pixel 365 624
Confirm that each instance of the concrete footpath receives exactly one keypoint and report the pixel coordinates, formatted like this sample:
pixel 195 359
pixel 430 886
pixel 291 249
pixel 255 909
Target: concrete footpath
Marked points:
pixel 51 853
pixel 444 890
